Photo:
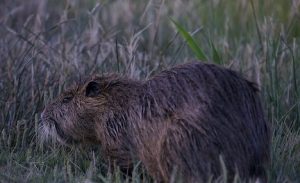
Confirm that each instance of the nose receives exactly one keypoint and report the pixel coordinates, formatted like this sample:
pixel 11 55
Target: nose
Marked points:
pixel 42 114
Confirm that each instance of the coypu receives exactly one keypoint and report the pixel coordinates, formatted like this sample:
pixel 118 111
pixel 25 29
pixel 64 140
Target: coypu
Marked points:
pixel 190 119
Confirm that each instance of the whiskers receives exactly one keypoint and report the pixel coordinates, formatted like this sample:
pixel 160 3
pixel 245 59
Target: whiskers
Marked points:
pixel 50 133
pixel 47 133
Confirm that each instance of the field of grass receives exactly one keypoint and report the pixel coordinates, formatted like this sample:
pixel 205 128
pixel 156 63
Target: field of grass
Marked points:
pixel 46 46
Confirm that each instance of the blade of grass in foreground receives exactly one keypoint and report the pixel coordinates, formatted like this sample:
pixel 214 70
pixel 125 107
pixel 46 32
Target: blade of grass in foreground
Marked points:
pixel 216 56
pixel 190 41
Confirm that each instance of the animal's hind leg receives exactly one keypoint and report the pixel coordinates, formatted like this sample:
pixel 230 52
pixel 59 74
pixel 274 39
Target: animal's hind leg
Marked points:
pixel 182 156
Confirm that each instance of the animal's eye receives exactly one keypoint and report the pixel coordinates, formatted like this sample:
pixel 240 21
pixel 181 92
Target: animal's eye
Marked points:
pixel 67 98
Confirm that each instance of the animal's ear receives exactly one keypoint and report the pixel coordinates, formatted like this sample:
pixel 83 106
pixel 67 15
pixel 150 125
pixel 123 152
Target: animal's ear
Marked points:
pixel 92 89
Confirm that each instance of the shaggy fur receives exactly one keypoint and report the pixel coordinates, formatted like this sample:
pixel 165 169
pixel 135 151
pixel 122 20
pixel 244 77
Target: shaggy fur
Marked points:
pixel 185 121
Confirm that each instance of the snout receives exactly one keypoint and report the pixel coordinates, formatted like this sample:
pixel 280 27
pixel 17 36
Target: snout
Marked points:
pixel 42 114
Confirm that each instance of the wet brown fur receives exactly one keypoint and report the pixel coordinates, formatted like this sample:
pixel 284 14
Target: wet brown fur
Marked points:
pixel 183 121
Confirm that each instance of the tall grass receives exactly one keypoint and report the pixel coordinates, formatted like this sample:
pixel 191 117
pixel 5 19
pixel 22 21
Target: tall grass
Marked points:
pixel 46 46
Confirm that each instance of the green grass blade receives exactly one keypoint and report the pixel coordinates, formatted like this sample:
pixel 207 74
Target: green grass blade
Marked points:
pixel 216 56
pixel 190 41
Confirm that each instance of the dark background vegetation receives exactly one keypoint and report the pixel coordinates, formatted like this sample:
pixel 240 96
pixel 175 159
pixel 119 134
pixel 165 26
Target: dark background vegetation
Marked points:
pixel 46 45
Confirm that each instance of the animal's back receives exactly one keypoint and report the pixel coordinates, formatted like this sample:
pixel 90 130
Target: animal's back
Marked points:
pixel 213 115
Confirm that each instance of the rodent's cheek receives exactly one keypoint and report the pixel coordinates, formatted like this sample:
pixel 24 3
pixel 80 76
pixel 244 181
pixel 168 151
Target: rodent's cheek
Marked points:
pixel 70 116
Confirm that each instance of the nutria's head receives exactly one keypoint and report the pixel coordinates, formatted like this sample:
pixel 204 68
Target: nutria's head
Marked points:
pixel 75 114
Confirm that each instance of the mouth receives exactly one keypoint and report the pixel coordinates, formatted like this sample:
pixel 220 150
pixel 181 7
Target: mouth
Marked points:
pixel 50 130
